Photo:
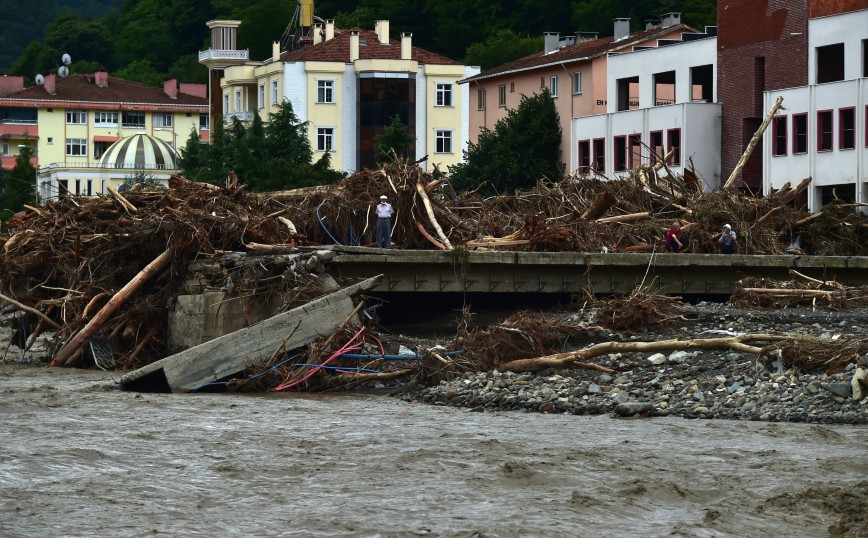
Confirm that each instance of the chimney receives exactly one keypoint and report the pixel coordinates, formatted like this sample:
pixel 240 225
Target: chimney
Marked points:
pixel 382 29
pixel 670 19
pixel 583 37
pixel 551 41
pixel 622 29
pixel 354 45
pixel 318 33
pixel 49 84
pixel 330 29
pixel 651 24
pixel 171 88
pixel 10 84
pixel 275 51
pixel 406 46
pixel 194 89
pixel 100 78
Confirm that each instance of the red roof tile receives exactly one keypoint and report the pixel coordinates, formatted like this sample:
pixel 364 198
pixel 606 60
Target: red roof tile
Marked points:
pixel 338 50
pixel 577 52
pixel 81 88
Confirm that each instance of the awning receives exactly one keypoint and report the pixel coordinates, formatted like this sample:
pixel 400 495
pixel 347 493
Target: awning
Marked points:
pixel 101 138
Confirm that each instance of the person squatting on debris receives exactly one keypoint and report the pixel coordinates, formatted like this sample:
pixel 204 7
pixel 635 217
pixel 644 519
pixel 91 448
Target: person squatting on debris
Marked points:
pixel 384 223
pixel 673 238
pixel 727 240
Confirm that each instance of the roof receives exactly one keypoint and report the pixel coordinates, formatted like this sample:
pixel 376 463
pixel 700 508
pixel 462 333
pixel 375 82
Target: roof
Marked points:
pixel 139 151
pixel 337 49
pixel 82 89
pixel 574 53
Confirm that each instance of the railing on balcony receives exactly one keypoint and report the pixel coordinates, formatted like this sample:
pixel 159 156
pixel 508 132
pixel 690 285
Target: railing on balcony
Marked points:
pixel 242 116
pixel 113 166
pixel 12 121
pixel 218 54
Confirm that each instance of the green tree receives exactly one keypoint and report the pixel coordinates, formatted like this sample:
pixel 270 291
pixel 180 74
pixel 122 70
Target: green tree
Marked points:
pixel 524 147
pixel 194 158
pixel 395 138
pixel 20 182
pixel 287 136
pixel 141 71
pixel 501 47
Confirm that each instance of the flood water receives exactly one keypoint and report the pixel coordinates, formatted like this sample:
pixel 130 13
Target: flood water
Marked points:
pixel 78 457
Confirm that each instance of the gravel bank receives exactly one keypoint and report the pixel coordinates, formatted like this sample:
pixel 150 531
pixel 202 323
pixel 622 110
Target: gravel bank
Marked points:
pixel 696 384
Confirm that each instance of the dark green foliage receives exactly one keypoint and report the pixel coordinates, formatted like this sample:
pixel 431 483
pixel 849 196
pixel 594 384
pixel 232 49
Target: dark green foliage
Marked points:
pixel 501 47
pixel 523 148
pixel 19 184
pixel 396 138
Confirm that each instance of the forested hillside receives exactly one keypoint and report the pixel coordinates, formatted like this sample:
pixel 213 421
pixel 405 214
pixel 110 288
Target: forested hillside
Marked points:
pixel 149 40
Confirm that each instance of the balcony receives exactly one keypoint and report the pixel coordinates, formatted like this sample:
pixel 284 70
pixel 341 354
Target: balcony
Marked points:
pixel 18 129
pixel 230 55
pixel 242 116
pixel 8 161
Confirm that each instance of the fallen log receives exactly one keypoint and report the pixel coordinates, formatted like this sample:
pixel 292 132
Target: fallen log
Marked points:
pixel 31 310
pixel 753 142
pixel 428 236
pixel 146 274
pixel 121 200
pixel 600 205
pixel 788 196
pixel 427 203
pixel 632 217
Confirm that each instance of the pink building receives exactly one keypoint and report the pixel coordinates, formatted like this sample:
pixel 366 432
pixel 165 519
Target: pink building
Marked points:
pixel 573 68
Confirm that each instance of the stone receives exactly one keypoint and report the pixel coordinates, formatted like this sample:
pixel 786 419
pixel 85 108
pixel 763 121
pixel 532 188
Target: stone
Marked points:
pixel 621 397
pixel 855 385
pixel 629 409
pixel 678 357
pixel 657 358
pixel 845 390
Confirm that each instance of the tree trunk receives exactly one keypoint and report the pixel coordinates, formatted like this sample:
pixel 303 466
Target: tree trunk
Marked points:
pixel 752 144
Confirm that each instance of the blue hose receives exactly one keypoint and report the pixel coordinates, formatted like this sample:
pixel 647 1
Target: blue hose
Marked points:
pixel 321 223
pixel 414 357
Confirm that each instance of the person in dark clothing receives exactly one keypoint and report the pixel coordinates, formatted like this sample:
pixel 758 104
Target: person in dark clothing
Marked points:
pixel 384 223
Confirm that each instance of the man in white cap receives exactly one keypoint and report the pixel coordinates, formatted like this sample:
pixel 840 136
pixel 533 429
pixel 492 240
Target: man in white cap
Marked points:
pixel 384 223
pixel 727 240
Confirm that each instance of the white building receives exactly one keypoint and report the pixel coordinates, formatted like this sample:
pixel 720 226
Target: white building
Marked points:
pixel 658 99
pixel 821 134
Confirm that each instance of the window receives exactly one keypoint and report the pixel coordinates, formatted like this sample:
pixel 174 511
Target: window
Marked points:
pixel 542 83
pixel 262 96
pixel 824 130
pixel 480 98
pixel 512 87
pixel 620 153
pixel 442 141
pixel 674 136
pixel 577 83
pixel 133 119
pixel 443 94
pixel 103 118
pixel 635 150
pixel 779 136
pixel 847 126
pixel 584 156
pixel 76 147
pixel 99 148
pixel 237 100
pixel 226 103
pixel 162 119
pixel 658 150
pixel 600 155
pixel 830 63
pixel 702 83
pixel 4 149
pixel 325 138
pixel 554 86
pixel 50 140
pixel 274 98
pixel 76 117
pixel 627 93
pixel 800 133
pixel 664 88
pixel 501 102
pixel 865 57
pixel 325 91
pixel 203 121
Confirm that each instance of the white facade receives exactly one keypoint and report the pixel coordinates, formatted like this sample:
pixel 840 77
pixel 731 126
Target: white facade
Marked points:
pixel 613 143
pixel 821 134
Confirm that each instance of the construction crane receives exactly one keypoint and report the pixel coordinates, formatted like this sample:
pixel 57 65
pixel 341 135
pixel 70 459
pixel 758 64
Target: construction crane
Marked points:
pixel 298 33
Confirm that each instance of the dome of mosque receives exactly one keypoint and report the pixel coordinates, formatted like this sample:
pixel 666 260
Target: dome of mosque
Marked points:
pixel 139 151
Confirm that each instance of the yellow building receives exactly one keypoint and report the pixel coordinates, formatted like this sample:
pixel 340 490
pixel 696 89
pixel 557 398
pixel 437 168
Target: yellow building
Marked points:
pixel 347 86
pixel 71 122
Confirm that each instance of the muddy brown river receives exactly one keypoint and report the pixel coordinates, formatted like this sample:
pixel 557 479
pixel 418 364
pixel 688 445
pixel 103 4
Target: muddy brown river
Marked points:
pixel 78 457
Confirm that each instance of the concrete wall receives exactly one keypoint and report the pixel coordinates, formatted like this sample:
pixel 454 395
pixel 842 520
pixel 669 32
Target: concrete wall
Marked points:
pixel 850 29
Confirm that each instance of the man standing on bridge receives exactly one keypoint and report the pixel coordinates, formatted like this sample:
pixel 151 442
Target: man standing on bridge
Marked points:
pixel 384 223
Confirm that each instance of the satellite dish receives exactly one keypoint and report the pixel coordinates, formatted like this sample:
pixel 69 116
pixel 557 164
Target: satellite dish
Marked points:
pixel 66 59
pixel 39 79
pixel 63 71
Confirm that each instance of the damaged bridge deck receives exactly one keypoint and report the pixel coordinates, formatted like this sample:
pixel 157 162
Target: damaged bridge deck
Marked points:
pixel 570 272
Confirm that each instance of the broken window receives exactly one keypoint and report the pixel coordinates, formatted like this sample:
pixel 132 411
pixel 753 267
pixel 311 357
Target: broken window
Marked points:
pixel 584 156
pixel 674 136
pixel 656 143
pixel 620 153
pixel 847 125
pixel 635 150
pixel 779 136
pixel 824 130
pixel 628 93
pixel 702 83
pixel 800 133
pixel 664 88
pixel 600 155
pixel 830 63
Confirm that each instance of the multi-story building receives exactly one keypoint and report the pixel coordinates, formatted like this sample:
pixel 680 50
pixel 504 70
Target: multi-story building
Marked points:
pixel 823 131
pixel 71 122
pixel 573 68
pixel 660 99
pixel 347 86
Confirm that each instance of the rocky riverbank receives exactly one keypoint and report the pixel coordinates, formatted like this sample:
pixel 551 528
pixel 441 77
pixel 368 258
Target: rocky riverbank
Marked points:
pixel 696 384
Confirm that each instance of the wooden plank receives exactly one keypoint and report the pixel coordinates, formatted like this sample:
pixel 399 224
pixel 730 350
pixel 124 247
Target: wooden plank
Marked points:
pixel 234 352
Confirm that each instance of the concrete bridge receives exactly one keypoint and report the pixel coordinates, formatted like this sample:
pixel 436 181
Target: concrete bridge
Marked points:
pixel 570 272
